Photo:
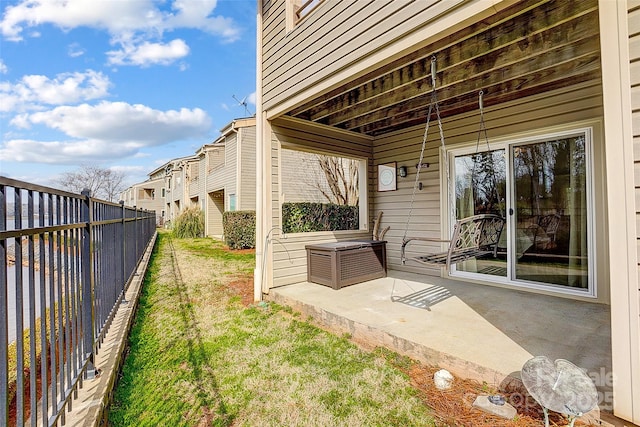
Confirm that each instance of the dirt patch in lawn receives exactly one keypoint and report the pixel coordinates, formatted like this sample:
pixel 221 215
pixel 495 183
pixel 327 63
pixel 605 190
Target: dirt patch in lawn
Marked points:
pixel 240 251
pixel 243 287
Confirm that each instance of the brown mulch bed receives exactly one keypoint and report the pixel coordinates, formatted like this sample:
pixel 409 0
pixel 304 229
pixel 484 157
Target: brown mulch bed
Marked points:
pixel 454 406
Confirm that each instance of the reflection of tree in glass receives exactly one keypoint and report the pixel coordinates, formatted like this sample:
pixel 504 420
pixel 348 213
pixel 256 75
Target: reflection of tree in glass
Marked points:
pixel 480 177
pixel 489 182
pixel 544 172
pixel 342 179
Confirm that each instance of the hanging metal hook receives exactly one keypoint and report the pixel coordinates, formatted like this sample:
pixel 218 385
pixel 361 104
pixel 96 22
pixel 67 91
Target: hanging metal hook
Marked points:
pixel 480 101
pixel 433 71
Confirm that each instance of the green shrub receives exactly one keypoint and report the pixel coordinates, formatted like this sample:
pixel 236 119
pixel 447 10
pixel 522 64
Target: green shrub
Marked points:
pixel 239 229
pixel 304 217
pixel 189 224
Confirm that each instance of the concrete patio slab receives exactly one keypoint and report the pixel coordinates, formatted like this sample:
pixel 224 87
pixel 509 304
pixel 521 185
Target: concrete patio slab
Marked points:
pixel 475 331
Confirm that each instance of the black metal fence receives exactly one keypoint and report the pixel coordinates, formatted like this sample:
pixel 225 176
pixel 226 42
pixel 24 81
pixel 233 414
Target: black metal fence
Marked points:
pixel 65 263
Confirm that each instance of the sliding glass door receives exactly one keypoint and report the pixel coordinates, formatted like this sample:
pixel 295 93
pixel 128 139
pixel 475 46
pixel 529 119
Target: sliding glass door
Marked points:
pixel 480 187
pixel 542 188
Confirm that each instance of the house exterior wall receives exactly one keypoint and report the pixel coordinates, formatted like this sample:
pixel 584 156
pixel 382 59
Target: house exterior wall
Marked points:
pixel 146 195
pixel 574 107
pixel 246 152
pixel 230 172
pixel 228 168
pixel 213 214
pixel 222 177
pixel 340 41
pixel 177 187
pixel 193 178
pixel 628 339
pixel 289 256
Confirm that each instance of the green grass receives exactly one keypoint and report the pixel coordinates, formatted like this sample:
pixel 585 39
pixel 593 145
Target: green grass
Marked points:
pixel 197 357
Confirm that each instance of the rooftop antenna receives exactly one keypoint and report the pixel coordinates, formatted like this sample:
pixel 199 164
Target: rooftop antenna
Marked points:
pixel 244 104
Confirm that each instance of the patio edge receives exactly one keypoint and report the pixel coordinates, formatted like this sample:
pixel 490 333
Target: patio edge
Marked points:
pixel 370 337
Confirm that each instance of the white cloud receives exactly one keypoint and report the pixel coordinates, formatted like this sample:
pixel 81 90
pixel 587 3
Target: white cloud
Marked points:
pixel 251 99
pixel 74 50
pixel 109 130
pixel 34 91
pixel 129 170
pixel 146 53
pixel 21 121
pixel 3 67
pixel 137 27
pixel 114 16
pixel 122 122
pixel 59 152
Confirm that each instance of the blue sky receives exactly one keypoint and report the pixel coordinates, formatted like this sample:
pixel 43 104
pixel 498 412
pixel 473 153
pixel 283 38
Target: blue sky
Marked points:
pixel 121 84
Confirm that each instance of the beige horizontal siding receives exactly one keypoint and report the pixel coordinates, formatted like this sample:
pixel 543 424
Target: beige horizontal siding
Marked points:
pixel 634 72
pixel 536 113
pixel 634 19
pixel 634 47
pixel 289 254
pixel 635 98
pixel 336 37
pixel 215 207
pixel 302 170
pixel 223 176
pixel 247 150
pixel 298 134
pixel 304 38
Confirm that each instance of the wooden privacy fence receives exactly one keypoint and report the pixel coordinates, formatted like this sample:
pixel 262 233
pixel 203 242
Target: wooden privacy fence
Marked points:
pixel 65 263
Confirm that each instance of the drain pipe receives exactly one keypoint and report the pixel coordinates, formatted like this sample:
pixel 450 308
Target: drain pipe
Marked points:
pixel 258 273
pixel 265 249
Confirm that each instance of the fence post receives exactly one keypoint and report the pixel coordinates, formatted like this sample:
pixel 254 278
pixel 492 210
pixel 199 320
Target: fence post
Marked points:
pixel 4 325
pixel 135 233
pixel 87 286
pixel 123 265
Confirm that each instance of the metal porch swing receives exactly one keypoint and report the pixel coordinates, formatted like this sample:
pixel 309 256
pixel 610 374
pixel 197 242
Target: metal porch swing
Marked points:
pixel 475 236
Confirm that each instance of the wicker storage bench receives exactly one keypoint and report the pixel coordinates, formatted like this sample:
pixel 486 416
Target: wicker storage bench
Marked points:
pixel 339 264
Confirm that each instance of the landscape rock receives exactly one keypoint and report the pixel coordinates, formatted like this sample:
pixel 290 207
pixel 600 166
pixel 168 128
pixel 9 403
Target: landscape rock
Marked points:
pixel 505 411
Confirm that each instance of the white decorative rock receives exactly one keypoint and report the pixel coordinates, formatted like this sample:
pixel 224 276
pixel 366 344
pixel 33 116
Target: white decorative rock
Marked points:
pixel 505 411
pixel 442 379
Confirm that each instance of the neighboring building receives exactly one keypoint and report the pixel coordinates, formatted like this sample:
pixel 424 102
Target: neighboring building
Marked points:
pixel 147 195
pixel 561 97
pixel 175 192
pixel 219 177
pixel 227 173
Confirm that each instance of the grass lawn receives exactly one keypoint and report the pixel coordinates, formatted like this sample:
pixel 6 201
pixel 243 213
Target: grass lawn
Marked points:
pixel 200 355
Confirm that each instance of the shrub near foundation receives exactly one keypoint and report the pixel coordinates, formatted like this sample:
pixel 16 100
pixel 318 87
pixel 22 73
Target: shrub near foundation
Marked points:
pixel 239 229
pixel 307 217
